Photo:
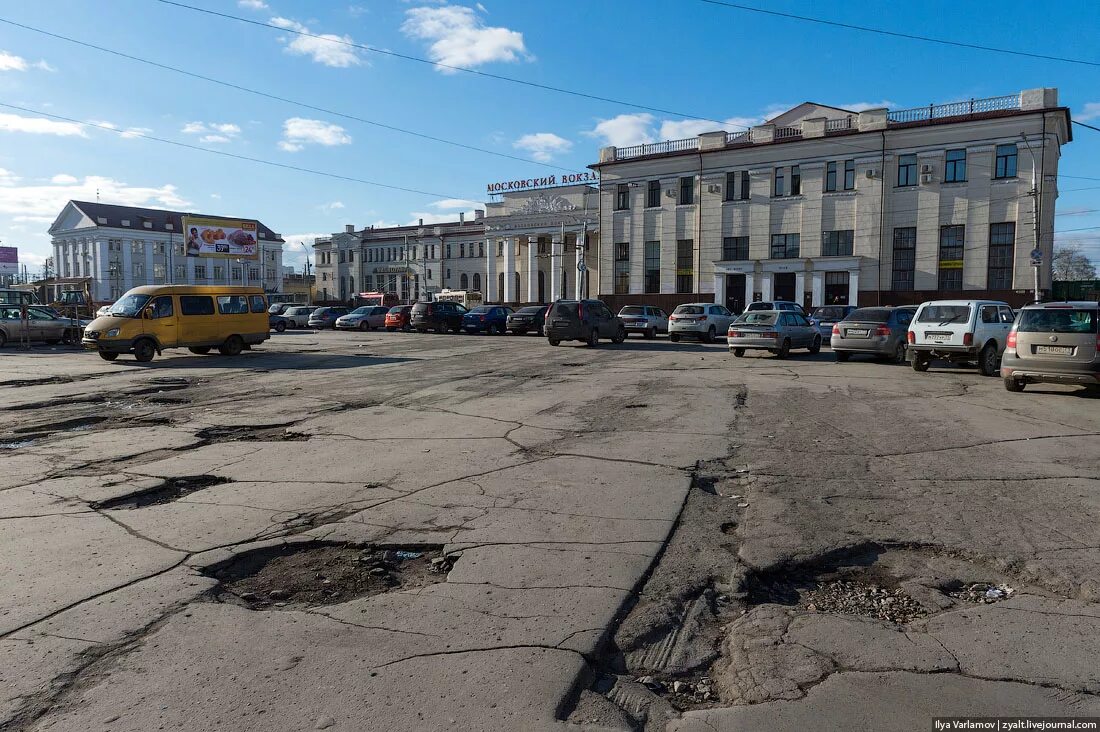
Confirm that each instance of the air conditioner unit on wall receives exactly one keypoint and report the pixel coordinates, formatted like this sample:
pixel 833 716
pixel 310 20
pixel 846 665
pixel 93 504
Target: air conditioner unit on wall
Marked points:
pixel 670 193
pixel 870 173
pixel 926 168
pixel 714 188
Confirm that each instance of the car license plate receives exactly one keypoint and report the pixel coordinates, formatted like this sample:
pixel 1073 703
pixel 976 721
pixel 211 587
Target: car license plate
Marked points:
pixel 857 331
pixel 937 337
pixel 1054 350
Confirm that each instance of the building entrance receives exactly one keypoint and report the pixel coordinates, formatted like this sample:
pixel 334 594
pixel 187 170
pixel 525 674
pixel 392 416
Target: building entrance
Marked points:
pixel 735 293
pixel 784 287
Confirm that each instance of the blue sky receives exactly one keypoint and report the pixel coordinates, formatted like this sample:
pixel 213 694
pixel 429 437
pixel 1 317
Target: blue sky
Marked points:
pixel 685 56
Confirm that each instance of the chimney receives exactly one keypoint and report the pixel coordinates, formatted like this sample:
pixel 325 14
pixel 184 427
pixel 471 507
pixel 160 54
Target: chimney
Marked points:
pixel 462 217
pixel 349 228
pixel 479 215
pixel 420 222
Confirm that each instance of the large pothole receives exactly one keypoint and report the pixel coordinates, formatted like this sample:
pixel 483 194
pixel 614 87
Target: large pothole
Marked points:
pixel 172 489
pixel 262 433
pixel 293 576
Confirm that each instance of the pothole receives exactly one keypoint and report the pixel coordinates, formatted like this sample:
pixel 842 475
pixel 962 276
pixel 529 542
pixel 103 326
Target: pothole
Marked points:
pixel 65 425
pixel 170 490
pixel 236 433
pixel 980 593
pixel 293 576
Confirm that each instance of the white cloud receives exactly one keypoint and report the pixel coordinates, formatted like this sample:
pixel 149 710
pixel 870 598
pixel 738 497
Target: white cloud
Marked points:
pixel 214 139
pixel 458 37
pixel 625 129
pixel 431 217
pixel 128 133
pixel 293 253
pixel 63 179
pixel 644 128
pixel 8 178
pixel 212 132
pixel 252 4
pixel 11 62
pixel 1091 110
pixel 864 106
pixel 299 132
pixel 46 201
pixel 39 126
pixel 331 206
pixel 448 204
pixel 543 145
pixel 324 48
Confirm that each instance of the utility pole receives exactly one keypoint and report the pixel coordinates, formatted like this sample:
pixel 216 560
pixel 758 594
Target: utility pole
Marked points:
pixel 309 287
pixel 1036 252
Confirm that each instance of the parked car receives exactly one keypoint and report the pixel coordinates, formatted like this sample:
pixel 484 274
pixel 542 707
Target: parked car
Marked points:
pixel 281 307
pixel 702 320
pixel 880 332
pixel 42 325
pixel 644 319
pixel 440 316
pixel 367 317
pixel 277 322
pixel 491 319
pixel 775 331
pixel 398 318
pixel 582 320
pixel 1053 343
pixel 527 320
pixel 826 316
pixel 960 331
pixel 298 317
pixel 775 305
pixel 322 318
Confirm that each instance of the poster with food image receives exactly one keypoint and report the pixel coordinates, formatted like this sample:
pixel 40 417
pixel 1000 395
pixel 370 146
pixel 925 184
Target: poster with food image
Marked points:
pixel 226 238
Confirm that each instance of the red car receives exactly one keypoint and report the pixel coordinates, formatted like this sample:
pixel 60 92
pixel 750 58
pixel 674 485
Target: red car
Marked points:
pixel 398 318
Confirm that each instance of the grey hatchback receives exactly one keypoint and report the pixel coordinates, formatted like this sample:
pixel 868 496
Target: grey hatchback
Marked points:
pixel 877 332
pixel 1054 343
pixel 582 320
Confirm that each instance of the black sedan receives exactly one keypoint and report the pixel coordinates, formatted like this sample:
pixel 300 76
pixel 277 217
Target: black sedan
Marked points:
pixel 527 320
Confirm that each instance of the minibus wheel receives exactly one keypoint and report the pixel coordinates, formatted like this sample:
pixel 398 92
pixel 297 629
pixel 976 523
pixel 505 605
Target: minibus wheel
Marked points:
pixel 232 347
pixel 144 350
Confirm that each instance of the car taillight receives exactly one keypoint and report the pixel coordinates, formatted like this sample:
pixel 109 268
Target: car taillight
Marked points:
pixel 882 330
pixel 1011 338
pixel 836 328
pixel 968 339
pixel 769 334
pixel 580 311
pixel 911 337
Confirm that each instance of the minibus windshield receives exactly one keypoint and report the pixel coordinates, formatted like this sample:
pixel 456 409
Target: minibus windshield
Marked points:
pixel 129 306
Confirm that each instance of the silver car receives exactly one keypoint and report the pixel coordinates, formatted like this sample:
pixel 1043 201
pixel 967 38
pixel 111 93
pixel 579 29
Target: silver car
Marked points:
pixel 367 317
pixel 298 317
pixel 879 332
pixel 774 331
pixel 1055 343
pixel 702 320
pixel 41 325
pixel 644 319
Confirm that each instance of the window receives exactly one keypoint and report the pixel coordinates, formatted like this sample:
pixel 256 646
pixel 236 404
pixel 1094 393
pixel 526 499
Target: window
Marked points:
pixel 180 272
pixel 951 257
pixel 622 197
pixel 232 304
pixel 480 249
pixel 448 251
pixel 785 246
pixel 905 258
pixel 849 175
pixel 462 250
pixel 735 248
pixel 236 273
pixel 653 266
pixel 114 245
pixel 796 180
pixel 343 256
pixel 685 265
pixel 907 170
pixel 1002 246
pixel 137 246
pixel 477 282
pixel 1006 162
pixel 256 303
pixel 219 273
pixel 449 274
pixel 158 248
pixel 464 281
pixel 622 268
pixel 500 249
pixel 731 185
pixel 830 177
pixel 687 190
pixel 745 186
pixel 351 256
pixel 179 249
pixel 778 188
pixel 836 288
pixel 159 273
pixel 139 269
pixel 837 243
pixel 162 307
pixel 955 168
pixel 254 274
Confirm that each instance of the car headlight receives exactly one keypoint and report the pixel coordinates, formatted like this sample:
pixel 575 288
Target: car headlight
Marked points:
pixel 112 333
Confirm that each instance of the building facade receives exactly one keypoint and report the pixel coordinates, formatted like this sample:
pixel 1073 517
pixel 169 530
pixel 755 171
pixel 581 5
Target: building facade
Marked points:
pixel 111 249
pixel 520 249
pixel 823 205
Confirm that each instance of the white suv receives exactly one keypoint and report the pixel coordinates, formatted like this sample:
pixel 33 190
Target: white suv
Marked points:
pixel 702 320
pixel 960 331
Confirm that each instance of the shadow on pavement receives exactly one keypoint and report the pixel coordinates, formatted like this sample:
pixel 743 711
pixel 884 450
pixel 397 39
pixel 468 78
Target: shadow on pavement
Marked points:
pixel 265 361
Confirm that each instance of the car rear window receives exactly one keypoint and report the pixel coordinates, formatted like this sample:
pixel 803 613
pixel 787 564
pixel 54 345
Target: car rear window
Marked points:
pixel 530 310
pixel 396 309
pixel 829 313
pixel 421 307
pixel 565 309
pixel 944 314
pixel 482 309
pixel 758 318
pixel 759 306
pixel 869 315
pixel 688 310
pixel 1057 321
pixel 632 310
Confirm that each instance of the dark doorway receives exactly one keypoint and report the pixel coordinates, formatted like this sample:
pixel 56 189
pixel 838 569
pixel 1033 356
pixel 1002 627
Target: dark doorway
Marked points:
pixel 735 293
pixel 542 287
pixel 784 287
pixel 836 288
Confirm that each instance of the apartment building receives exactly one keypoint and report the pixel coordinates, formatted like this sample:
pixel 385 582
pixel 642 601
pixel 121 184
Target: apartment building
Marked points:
pixel 824 205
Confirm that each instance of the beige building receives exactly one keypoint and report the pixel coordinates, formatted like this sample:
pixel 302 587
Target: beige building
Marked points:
pixel 824 205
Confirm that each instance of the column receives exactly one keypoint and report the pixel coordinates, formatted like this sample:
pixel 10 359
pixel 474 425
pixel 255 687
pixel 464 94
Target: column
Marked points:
pixel 800 287
pixel 578 285
pixel 720 288
pixel 557 261
pixel 532 270
pixel 853 287
pixel 818 285
pixel 750 287
pixel 490 270
pixel 510 269
pixel 766 286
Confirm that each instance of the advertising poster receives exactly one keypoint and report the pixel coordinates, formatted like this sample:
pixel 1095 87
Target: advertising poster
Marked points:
pixel 225 238
pixel 9 260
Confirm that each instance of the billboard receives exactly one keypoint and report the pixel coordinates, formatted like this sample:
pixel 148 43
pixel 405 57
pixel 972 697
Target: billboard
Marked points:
pixel 9 260
pixel 225 238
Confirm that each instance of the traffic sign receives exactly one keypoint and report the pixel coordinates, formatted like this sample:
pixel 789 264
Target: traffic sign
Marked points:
pixel 581 267
pixel 1036 257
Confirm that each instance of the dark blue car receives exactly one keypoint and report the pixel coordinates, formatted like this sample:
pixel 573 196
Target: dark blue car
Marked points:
pixel 491 319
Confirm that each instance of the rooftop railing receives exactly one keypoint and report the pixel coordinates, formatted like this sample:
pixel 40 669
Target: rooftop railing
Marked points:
pixel 657 148
pixel 743 136
pixel 954 109
pixel 783 132
pixel 832 125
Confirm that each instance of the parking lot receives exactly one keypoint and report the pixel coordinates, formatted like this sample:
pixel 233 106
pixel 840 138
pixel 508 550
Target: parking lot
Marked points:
pixel 372 530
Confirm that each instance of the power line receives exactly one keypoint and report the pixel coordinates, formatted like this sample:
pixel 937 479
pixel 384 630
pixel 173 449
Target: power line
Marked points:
pixel 223 153
pixel 268 95
pixel 897 34
pixel 1085 125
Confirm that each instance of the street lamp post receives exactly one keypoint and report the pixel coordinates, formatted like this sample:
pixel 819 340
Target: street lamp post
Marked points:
pixel 1036 252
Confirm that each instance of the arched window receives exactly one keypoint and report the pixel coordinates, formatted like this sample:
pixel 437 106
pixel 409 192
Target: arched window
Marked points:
pixel 464 282
pixel 477 282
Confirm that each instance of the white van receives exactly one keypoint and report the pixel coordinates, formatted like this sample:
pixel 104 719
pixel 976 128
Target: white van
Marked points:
pixel 960 331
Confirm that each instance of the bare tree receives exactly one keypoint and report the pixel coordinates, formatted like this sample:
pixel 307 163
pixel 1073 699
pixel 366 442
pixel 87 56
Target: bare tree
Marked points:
pixel 1070 263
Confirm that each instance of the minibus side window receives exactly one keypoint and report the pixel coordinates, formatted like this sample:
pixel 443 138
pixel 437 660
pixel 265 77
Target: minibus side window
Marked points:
pixel 196 305
pixel 258 304
pixel 232 304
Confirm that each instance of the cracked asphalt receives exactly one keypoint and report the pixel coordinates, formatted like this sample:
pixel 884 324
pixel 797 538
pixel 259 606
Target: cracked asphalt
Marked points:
pixel 649 511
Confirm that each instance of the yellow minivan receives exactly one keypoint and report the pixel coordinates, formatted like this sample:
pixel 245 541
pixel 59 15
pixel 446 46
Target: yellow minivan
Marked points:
pixel 146 320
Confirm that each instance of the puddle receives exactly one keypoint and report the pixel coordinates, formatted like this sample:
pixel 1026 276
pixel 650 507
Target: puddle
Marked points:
pixel 16 445
pixel 170 490
pixel 310 575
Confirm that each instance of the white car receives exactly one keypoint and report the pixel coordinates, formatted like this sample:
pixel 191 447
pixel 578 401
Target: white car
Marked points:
pixel 298 317
pixel 645 319
pixel 702 320
pixel 960 331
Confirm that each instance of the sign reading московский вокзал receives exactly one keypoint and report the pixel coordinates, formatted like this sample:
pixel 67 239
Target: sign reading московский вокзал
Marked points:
pixel 544 182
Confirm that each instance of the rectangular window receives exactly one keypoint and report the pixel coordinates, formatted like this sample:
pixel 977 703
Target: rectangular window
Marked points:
pixel 830 177
pixel 159 273
pixel 905 258
pixel 849 175
pixel 196 305
pixel 622 268
pixel 256 303
pixel 462 250
pixel 954 170
pixel 622 197
pixel 796 180
pixel 254 274
pixel 343 256
pixel 653 194
pixel 745 187
pixel 785 246
pixel 232 304
pixel 1006 161
pixel 480 249
pixel 1002 248
pixel 687 190
pixel 685 265
pixel 735 248
pixel 951 257
pixel 837 243
pixel 179 250
pixel 731 185
pixel 907 170
pixel 158 248
pixel 779 188
pixel 181 272
pixel 219 272
pixel 653 266
pixel 351 256
pixel 236 273
pixel 137 246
